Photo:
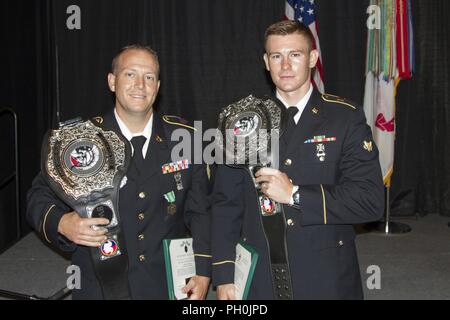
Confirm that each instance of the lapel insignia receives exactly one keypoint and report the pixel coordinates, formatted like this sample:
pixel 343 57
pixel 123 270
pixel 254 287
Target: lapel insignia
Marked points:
pixel 158 139
pixel 368 146
pixel 315 110
pixel 99 119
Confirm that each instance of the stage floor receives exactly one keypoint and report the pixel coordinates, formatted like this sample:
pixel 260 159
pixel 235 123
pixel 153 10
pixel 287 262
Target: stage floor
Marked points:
pixel 30 267
pixel 413 266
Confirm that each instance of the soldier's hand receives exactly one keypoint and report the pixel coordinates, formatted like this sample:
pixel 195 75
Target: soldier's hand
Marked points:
pixel 197 288
pixel 275 184
pixel 82 231
pixel 226 292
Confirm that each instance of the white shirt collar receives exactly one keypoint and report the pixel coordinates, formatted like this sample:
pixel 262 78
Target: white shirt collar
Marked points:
pixel 300 105
pixel 147 132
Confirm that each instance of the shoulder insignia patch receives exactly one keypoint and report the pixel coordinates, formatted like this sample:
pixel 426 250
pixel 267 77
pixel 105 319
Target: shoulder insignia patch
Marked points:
pixel 336 99
pixel 178 121
pixel 98 119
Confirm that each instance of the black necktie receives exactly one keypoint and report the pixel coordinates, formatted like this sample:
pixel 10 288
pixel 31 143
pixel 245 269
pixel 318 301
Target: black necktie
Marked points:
pixel 138 143
pixel 290 127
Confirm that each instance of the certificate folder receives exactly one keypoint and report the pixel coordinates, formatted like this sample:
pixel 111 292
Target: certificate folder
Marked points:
pixel 180 265
pixel 244 267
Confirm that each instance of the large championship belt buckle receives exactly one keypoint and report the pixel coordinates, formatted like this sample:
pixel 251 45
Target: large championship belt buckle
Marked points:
pixel 249 132
pixel 84 165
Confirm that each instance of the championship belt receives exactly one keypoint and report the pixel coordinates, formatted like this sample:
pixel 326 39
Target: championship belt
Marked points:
pixel 249 132
pixel 84 165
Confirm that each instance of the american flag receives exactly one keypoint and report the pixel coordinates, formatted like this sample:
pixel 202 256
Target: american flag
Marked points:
pixel 305 12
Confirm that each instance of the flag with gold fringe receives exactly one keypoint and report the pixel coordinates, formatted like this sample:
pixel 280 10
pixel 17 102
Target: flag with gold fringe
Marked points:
pixel 390 58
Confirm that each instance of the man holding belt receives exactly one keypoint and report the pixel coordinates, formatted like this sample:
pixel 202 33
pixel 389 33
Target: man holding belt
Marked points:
pixel 329 178
pixel 154 204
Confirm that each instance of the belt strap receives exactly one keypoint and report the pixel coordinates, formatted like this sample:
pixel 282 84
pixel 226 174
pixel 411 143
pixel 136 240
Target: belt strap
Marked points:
pixel 112 273
pixel 274 225
pixel 275 232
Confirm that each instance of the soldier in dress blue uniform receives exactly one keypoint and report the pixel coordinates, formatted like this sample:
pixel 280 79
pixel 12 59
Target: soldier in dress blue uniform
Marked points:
pixel 156 202
pixel 329 178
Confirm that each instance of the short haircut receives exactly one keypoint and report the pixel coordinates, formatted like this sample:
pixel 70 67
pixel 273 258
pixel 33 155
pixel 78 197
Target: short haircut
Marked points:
pixel 139 47
pixel 286 27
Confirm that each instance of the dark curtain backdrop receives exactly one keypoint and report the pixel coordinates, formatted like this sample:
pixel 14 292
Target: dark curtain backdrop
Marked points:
pixel 210 51
pixel 421 181
pixel 211 54
pixel 26 85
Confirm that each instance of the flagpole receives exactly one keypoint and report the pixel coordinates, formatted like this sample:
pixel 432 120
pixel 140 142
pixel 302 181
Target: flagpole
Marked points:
pixel 388 209
pixel 387 227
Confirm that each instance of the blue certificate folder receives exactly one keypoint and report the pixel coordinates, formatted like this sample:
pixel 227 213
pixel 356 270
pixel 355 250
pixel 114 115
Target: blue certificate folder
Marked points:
pixel 247 274
pixel 184 260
